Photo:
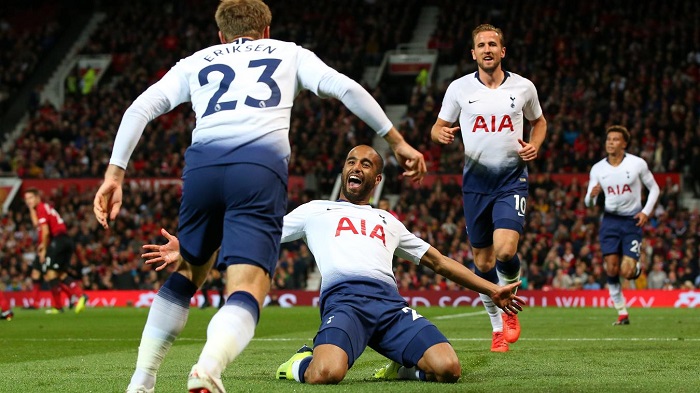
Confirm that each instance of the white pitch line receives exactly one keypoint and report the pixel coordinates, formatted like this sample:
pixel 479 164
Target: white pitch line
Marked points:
pixel 466 314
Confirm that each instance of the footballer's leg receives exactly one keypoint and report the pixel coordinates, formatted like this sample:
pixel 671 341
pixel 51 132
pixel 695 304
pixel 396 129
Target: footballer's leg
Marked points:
pixel 290 368
pixel 441 364
pixel 166 319
pixel 478 216
pixel 612 268
pixel 328 365
pixel 347 321
pixel 509 220
pixel 630 268
pixel 484 260
pixel 232 327
pixel 255 201
pixel 51 278
pixel 508 271
pixel 419 351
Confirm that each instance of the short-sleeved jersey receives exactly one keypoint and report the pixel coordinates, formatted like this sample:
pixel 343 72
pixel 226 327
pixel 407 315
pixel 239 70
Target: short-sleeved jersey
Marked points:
pixel 49 216
pixel 353 245
pixel 622 186
pixel 242 94
pixel 491 122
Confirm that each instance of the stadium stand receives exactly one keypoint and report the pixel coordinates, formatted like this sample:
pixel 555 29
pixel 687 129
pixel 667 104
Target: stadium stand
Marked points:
pixel 595 63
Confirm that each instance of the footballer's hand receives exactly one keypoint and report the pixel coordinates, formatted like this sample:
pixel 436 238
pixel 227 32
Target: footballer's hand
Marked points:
pixel 596 190
pixel 411 160
pixel 108 199
pixel 446 135
pixel 641 219
pixel 505 299
pixel 528 152
pixel 164 254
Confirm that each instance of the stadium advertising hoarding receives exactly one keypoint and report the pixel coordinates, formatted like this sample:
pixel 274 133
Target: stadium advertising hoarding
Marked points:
pixel 554 298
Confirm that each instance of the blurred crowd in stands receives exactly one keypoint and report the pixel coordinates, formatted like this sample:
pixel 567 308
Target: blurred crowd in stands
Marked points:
pixel 594 63
pixel 27 32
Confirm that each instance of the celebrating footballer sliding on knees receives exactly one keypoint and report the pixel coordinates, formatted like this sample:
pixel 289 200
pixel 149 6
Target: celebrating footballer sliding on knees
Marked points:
pixel 354 244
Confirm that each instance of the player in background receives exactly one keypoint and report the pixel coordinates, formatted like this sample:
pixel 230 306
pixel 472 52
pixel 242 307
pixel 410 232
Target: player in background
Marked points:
pixel 5 310
pixel 54 252
pixel 619 177
pixel 235 177
pixel 360 301
pixel 492 105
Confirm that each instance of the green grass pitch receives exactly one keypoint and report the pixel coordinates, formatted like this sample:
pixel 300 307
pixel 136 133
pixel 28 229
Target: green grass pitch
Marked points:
pixel 560 350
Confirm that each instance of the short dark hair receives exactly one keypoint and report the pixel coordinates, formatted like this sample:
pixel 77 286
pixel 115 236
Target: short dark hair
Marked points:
pixel 381 162
pixel 621 129
pixel 32 190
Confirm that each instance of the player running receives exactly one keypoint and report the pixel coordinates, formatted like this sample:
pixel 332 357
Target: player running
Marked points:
pixel 492 105
pixel 620 177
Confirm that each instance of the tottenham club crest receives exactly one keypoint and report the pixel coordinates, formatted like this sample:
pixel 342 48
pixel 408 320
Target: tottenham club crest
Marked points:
pixel 512 102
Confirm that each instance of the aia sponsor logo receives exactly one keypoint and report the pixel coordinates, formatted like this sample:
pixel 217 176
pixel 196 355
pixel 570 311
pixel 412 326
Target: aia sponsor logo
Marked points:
pixel 346 225
pixel 618 190
pixel 493 123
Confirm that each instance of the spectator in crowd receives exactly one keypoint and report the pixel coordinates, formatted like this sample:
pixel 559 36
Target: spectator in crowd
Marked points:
pixel 657 276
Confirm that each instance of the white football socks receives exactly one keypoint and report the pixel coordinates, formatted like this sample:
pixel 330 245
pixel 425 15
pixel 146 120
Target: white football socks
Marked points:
pixel 494 313
pixel 229 332
pixel 165 322
pixel 618 299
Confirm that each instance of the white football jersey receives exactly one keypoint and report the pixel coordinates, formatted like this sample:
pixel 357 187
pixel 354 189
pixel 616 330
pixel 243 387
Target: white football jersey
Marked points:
pixel 491 122
pixel 352 242
pixel 242 94
pixel 622 186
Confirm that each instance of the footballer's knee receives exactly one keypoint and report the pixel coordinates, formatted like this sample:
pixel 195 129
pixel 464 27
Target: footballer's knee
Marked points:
pixel 324 375
pixel 505 256
pixel 449 370
pixel 628 267
pixel 441 364
pixel 505 250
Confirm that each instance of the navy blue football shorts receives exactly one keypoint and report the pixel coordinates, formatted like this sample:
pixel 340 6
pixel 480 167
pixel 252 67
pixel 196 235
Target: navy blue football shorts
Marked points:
pixel 485 213
pixel 620 235
pixel 239 207
pixel 353 322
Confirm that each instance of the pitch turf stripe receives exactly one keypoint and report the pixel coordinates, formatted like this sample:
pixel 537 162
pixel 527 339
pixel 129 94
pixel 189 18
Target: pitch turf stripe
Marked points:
pixel 662 339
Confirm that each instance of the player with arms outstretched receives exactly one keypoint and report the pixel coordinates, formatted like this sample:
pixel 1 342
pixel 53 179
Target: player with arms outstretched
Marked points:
pixel 353 245
pixel 235 177
pixel 492 106
pixel 620 177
